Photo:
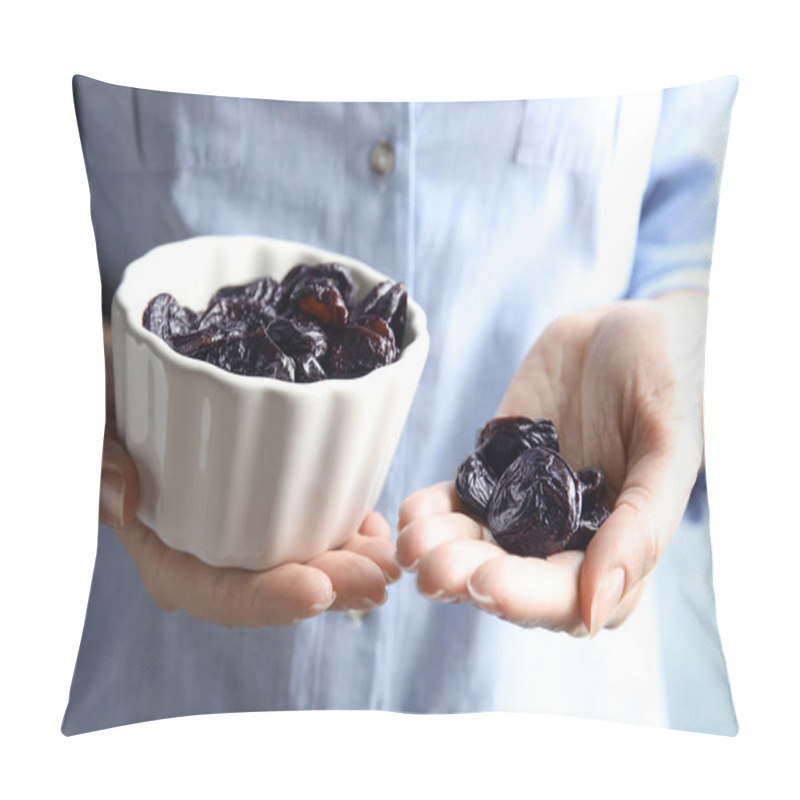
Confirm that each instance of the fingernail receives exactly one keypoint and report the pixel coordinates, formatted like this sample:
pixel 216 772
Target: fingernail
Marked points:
pixel 368 602
pixel 318 607
pixel 390 577
pixel 486 602
pixel 112 492
pixel 606 599
pixel 439 594
pixel 412 567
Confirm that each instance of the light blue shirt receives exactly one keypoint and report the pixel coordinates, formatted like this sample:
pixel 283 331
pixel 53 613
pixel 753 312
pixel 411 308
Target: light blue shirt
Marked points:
pixel 499 217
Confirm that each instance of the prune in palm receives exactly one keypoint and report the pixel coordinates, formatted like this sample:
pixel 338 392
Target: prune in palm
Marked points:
pixel 474 486
pixel 591 519
pixel 536 504
pixel 593 511
pixel 592 485
pixel 503 439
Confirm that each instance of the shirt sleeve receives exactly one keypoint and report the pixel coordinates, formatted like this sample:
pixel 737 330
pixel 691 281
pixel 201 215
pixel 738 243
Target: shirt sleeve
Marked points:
pixel 679 207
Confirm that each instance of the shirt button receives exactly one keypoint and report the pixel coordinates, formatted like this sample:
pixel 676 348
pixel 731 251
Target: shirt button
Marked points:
pixel 381 159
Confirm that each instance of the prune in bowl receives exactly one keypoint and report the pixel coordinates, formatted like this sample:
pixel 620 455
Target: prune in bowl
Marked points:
pixel 246 471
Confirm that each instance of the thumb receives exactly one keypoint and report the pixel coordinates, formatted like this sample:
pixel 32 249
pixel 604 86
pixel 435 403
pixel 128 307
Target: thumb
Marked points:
pixel 119 486
pixel 630 542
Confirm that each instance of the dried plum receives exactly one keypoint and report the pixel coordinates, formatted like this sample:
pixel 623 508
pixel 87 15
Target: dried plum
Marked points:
pixel 222 311
pixel 261 290
pixel 337 273
pixel 517 482
pixel 592 485
pixel 502 439
pixel 305 328
pixel 356 350
pixel 474 485
pixel 321 299
pixel 536 504
pixel 255 355
pixel 297 336
pixel 389 301
pixel 381 328
pixel 167 318
pixel 307 369
pixel 593 511
pixel 196 341
pixel 591 519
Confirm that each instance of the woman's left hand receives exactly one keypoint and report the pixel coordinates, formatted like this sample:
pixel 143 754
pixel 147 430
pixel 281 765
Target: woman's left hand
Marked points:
pixel 623 384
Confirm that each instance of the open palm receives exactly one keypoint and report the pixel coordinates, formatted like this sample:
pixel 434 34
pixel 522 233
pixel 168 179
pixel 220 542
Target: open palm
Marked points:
pixel 623 385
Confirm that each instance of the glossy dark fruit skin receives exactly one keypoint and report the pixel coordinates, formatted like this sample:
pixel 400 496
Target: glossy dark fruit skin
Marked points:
pixel 593 511
pixel 261 290
pixel 320 299
pixel 591 519
pixel 308 369
pixel 298 336
pixel 536 505
pixel 378 325
pixel 517 482
pixel 255 355
pixel 200 339
pixel 300 273
pixel 389 301
pixel 503 439
pixel 356 350
pixel 167 318
pixel 305 328
pixel 225 311
pixel 592 484
pixel 475 485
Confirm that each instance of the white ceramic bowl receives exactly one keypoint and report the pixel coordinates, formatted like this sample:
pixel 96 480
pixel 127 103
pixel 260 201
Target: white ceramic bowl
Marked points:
pixel 243 471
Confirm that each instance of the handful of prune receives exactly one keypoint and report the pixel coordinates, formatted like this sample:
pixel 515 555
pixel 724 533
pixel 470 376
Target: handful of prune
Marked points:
pixel 532 501
pixel 305 328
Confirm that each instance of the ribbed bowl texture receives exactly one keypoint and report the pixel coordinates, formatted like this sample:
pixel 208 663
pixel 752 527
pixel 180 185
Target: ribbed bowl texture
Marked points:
pixel 242 471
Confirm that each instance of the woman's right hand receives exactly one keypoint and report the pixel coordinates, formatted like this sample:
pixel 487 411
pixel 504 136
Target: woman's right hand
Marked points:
pixel 354 576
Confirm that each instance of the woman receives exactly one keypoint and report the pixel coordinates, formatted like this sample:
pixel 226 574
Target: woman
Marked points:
pixel 560 249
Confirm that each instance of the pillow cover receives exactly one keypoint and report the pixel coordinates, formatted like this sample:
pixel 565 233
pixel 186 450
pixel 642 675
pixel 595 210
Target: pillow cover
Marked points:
pixel 500 218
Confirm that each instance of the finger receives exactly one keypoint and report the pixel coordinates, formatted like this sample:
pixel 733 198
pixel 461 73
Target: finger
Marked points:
pixel 531 591
pixel 624 609
pixel 425 533
pixel 232 597
pixel 375 525
pixel 630 542
pixel 438 499
pixel 379 550
pixel 444 571
pixel 119 486
pixel 358 581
